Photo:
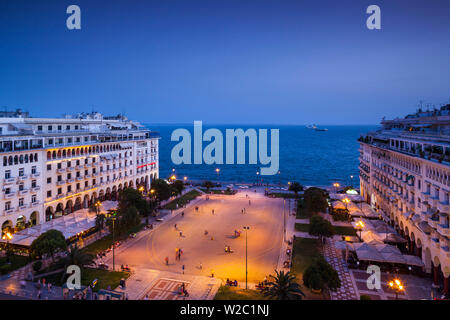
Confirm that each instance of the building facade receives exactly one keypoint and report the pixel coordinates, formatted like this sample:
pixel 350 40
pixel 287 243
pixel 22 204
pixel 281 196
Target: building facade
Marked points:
pixel 405 174
pixel 52 167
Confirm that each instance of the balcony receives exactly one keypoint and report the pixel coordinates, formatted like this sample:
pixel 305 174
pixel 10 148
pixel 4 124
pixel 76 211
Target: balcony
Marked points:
pixel 60 170
pixel 21 207
pixel 9 195
pixel 70 169
pixel 443 229
pixel 88 165
pixel 22 177
pixel 33 204
pixel 61 182
pixel 9 180
pixel 35 175
pixel 10 210
pixel 443 206
pixel 24 191
pixel 79 167
pixel 35 189
pixel 445 251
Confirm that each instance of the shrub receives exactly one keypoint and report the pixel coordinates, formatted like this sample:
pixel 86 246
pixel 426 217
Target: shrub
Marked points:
pixel 321 275
pixel 365 297
pixel 4 269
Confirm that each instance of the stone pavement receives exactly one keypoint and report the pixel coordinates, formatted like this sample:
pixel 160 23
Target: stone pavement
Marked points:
pixel 347 291
pixel 162 285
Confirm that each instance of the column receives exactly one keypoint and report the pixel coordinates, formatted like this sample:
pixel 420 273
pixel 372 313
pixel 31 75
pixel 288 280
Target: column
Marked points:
pixel 446 285
pixel 435 275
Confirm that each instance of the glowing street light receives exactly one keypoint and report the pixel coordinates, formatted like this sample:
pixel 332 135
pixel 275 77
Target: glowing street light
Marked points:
pixel 97 205
pixel 7 236
pixel 336 186
pixel 346 201
pixel 185 179
pixel 217 171
pixel 397 286
pixel 246 228
pixel 360 225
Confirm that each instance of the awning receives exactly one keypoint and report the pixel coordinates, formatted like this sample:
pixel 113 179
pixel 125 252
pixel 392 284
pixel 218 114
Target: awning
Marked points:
pixel 126 145
pixel 425 227
pixel 413 260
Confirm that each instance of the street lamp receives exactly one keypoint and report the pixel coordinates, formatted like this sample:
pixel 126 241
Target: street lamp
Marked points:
pixel 185 179
pixel 257 177
pixel 346 201
pixel 351 179
pixel 284 219
pixel 336 185
pixel 97 205
pixel 279 179
pixel 217 171
pixel 360 225
pixel 114 243
pixel 141 189
pixel 7 236
pixel 246 228
pixel 397 286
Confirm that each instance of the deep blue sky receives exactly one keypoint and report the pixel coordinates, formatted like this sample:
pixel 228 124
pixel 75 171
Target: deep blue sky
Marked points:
pixel 255 61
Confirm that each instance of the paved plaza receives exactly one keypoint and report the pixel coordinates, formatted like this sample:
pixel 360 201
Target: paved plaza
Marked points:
pixel 204 254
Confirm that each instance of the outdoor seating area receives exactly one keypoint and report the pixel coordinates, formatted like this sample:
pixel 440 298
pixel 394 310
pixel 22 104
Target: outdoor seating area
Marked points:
pixel 71 225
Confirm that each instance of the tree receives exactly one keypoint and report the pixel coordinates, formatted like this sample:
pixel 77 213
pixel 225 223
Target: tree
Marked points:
pixel 126 218
pixel 296 188
pixel 100 221
pixel 130 197
pixel 208 185
pixel 78 257
pixel 315 200
pixel 283 287
pixel 320 227
pixel 178 186
pixel 48 243
pixel 321 275
pixel 162 190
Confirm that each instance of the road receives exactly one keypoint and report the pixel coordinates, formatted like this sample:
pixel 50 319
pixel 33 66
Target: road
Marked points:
pixel 263 216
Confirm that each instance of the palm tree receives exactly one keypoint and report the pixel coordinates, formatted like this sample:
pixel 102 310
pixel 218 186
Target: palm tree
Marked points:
pixel 78 257
pixel 75 256
pixel 296 187
pixel 283 287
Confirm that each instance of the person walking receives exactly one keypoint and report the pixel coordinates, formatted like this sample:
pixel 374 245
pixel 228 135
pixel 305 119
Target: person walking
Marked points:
pixel 167 261
pixel 212 211
pixel 182 267
pixel 201 266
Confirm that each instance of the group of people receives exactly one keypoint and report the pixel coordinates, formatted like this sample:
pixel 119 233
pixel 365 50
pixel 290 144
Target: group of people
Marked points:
pixel 124 268
pixel 232 283
pixel 228 249
pixel 263 284
pixel 182 290
pixel 178 253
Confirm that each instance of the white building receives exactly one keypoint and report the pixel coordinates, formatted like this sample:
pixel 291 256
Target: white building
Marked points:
pixel 405 173
pixel 52 167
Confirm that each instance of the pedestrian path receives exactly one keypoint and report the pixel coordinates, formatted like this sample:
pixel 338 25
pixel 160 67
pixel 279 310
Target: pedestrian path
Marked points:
pixel 347 291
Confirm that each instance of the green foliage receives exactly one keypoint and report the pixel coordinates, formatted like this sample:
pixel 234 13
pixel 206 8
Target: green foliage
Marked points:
pixel 295 187
pixel 283 287
pixel 321 275
pixel 130 197
pixel 178 186
pixel 364 297
pixel 100 220
pixel 320 227
pixel 208 185
pixel 125 219
pixel 48 243
pixel 163 191
pixel 78 257
pixel 315 200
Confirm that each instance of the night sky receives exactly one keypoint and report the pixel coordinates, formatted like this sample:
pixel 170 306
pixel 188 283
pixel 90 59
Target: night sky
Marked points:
pixel 237 62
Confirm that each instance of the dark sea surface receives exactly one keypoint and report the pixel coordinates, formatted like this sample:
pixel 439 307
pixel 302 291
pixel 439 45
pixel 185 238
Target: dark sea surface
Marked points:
pixel 306 156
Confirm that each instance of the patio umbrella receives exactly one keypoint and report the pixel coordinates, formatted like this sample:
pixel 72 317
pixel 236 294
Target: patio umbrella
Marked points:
pixel 367 252
pixel 393 238
pixel 413 260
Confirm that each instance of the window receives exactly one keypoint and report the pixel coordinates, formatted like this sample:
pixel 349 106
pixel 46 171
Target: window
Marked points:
pixel 49 167
pixel 7 190
pixel 8 205
pixel 49 128
pixel 69 176
pixel 33 169
pixel 86 184
pixel 69 188
pixel 69 164
pixel 21 186
pixel 39 128
pixel 49 180
pixel 68 127
pixel 76 127
pixel 78 186
pixel 21 202
pixel 8 174
pixel 33 198
pixel 59 165
pixel 49 194
pixel 33 184
pixel 59 190
pixel 59 178
pixel 21 172
pixel 59 128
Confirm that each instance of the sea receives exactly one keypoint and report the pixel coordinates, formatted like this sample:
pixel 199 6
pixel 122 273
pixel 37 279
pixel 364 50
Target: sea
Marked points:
pixel 310 157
